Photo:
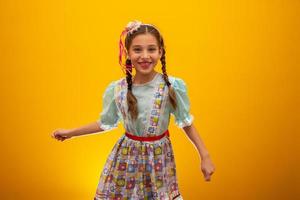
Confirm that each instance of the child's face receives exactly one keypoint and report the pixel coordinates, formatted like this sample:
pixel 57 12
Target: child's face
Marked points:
pixel 144 53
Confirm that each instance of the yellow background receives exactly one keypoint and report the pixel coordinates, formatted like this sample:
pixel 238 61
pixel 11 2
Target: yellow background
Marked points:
pixel 240 60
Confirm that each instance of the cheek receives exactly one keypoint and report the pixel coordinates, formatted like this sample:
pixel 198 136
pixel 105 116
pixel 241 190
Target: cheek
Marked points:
pixel 156 58
pixel 134 58
pixel 135 55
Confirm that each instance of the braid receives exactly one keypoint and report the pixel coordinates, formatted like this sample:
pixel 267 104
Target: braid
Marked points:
pixel 131 99
pixel 163 68
pixel 172 95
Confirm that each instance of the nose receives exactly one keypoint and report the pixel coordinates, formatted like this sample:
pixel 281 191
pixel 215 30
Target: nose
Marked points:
pixel 145 54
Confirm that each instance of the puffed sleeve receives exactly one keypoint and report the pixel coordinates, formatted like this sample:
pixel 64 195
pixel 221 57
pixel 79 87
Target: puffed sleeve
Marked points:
pixel 182 114
pixel 109 118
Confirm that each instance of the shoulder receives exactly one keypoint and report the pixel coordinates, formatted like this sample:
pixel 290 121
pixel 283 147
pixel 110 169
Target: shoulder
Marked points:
pixel 114 83
pixel 120 82
pixel 177 83
pixel 111 86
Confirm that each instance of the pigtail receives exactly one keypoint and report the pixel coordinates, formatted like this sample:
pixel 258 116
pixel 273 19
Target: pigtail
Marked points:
pixel 131 99
pixel 172 95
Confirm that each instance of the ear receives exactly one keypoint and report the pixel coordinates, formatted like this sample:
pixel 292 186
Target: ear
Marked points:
pixel 127 54
pixel 160 52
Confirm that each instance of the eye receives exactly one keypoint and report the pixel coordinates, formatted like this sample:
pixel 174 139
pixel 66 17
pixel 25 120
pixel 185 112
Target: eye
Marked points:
pixel 136 49
pixel 152 49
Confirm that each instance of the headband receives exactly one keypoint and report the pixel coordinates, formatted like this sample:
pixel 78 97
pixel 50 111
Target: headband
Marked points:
pixel 129 29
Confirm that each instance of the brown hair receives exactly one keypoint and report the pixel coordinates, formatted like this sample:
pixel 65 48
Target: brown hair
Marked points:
pixel 131 99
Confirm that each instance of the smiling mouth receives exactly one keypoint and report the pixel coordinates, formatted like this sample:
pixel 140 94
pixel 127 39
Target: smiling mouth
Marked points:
pixel 144 62
pixel 145 65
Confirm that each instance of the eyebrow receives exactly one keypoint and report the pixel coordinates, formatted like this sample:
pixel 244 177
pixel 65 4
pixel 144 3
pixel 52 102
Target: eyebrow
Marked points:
pixel 151 45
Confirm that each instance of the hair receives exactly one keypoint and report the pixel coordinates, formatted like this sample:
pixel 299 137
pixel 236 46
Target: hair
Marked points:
pixel 131 99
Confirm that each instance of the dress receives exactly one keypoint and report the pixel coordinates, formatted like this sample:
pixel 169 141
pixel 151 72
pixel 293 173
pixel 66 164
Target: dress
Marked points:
pixel 134 169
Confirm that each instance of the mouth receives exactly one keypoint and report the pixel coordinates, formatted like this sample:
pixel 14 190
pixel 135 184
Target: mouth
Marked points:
pixel 145 65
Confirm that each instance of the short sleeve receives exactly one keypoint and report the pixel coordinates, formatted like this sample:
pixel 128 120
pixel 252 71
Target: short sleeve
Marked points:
pixel 182 114
pixel 109 118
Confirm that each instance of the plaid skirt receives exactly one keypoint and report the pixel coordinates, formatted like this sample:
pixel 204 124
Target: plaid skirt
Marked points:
pixel 139 170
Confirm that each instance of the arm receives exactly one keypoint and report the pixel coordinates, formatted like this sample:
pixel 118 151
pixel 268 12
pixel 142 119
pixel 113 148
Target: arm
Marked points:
pixel 86 129
pixel 193 135
pixel 62 134
pixel 207 167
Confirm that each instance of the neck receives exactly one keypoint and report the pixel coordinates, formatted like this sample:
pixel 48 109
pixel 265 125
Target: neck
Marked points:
pixel 143 78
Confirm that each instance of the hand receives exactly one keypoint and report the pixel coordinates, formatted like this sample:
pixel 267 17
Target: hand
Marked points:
pixel 207 168
pixel 61 134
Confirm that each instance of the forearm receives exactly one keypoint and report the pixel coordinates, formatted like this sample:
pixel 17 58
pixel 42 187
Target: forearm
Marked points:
pixel 86 129
pixel 193 135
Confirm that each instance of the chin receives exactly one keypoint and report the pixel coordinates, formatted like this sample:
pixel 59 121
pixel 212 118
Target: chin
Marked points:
pixel 145 71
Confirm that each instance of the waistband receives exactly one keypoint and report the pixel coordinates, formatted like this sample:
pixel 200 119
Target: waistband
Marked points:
pixel 150 138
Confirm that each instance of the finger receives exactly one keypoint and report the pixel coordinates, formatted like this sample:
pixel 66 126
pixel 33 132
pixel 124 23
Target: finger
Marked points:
pixel 58 137
pixel 207 178
pixel 206 173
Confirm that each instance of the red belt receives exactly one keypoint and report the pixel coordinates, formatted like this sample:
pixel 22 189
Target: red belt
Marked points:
pixel 151 138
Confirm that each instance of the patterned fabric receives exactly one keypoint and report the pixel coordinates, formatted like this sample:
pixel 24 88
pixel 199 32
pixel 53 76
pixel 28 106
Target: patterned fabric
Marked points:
pixel 136 169
pixel 139 170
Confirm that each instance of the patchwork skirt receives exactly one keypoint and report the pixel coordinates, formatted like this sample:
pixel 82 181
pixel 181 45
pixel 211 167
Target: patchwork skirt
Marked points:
pixel 139 170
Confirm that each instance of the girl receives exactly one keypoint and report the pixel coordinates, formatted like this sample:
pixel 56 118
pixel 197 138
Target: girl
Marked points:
pixel 141 164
